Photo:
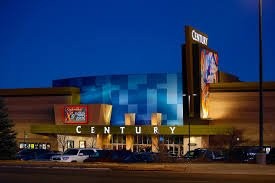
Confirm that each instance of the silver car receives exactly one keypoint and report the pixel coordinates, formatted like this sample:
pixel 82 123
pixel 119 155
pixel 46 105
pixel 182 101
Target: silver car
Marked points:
pixel 74 155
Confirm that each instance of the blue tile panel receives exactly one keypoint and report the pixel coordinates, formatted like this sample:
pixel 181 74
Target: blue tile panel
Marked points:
pixel 142 94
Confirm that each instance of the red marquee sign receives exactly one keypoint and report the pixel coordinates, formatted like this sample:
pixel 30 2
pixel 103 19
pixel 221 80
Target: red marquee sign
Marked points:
pixel 75 114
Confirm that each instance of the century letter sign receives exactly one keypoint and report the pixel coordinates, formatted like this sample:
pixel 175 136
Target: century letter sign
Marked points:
pixel 199 37
pixel 130 130
pixel 124 129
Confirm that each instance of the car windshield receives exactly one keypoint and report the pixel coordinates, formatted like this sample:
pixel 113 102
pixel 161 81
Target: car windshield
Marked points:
pixel 25 151
pixel 100 154
pixel 198 153
pixel 189 154
pixel 87 152
pixel 71 152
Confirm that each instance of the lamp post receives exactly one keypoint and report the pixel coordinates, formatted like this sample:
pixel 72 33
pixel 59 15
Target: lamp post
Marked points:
pixel 261 156
pixel 260 78
pixel 190 116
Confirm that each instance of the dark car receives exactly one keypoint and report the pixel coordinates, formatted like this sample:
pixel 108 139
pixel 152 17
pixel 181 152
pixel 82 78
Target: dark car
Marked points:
pixel 244 154
pixel 202 154
pixel 46 156
pixel 100 156
pixel 270 158
pixel 108 156
pixel 121 156
pixel 141 157
pixel 31 154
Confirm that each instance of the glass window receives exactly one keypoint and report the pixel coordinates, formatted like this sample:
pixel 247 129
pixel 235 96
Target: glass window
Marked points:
pixel 166 140
pixel 115 139
pixel 135 139
pixel 161 139
pixel 180 140
pixel 139 138
pixel 82 144
pixel 149 140
pixel 87 152
pixel 71 152
pixel 144 139
pixel 70 144
pixel 124 139
pixel 119 139
pixel 171 140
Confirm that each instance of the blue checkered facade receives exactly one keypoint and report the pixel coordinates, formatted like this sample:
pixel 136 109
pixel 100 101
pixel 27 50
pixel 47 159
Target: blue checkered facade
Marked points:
pixel 141 94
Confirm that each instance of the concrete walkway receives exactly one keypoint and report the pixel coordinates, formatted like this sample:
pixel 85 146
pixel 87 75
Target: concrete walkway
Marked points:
pixel 208 168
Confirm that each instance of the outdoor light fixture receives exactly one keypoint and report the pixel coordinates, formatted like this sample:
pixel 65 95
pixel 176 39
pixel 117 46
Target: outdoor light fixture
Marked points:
pixel 260 78
pixel 261 156
pixel 189 126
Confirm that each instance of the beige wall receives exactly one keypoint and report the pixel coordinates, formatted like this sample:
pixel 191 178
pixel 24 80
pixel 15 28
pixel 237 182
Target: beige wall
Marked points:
pixel 32 110
pixel 241 110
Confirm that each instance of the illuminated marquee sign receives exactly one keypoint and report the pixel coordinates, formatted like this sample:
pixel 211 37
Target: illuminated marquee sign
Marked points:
pixel 190 70
pixel 209 74
pixel 123 130
pixel 131 130
pixel 75 114
pixel 199 37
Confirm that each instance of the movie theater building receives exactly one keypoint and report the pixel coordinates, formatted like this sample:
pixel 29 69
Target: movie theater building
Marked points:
pixel 193 109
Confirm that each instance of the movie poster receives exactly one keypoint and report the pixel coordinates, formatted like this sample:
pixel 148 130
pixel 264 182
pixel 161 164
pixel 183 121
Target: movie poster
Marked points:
pixel 75 114
pixel 209 74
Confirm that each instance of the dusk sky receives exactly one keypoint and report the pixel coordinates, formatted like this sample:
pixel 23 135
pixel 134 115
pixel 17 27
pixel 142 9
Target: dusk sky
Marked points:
pixel 44 40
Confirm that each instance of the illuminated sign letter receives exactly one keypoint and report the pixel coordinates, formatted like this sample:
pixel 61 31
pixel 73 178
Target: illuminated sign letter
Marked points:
pixel 194 35
pixel 122 129
pixel 92 129
pixel 156 130
pixel 199 38
pixel 172 129
pixel 77 129
pixel 106 130
pixel 138 130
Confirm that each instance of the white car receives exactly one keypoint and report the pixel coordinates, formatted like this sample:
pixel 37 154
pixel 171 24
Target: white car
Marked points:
pixel 74 155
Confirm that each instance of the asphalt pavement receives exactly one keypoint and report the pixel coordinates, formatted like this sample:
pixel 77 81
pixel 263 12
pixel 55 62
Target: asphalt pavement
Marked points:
pixel 42 174
pixel 206 168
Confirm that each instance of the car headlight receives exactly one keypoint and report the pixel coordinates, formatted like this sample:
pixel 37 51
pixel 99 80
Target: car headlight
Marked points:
pixel 65 158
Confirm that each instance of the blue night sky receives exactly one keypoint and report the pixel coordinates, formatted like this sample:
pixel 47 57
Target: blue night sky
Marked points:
pixel 45 40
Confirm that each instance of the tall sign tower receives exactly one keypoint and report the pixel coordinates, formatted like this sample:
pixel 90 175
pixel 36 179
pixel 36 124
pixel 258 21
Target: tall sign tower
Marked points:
pixel 200 68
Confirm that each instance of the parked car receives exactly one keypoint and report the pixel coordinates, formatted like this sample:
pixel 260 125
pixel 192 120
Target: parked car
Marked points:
pixel 245 154
pixel 148 157
pixel 270 157
pixel 46 156
pixel 122 156
pixel 108 156
pixel 201 154
pixel 31 154
pixel 74 155
pixel 100 156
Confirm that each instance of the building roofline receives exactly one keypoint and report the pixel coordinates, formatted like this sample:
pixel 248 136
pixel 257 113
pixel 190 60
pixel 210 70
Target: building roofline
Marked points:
pixel 241 87
pixel 39 91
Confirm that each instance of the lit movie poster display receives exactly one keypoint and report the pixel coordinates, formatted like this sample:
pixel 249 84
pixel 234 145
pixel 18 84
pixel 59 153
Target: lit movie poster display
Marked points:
pixel 209 74
pixel 75 114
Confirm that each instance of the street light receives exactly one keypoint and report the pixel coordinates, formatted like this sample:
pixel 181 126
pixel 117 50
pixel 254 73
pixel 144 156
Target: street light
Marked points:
pixel 189 129
pixel 261 156
pixel 260 78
